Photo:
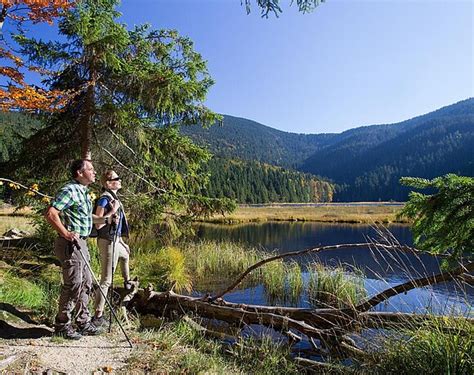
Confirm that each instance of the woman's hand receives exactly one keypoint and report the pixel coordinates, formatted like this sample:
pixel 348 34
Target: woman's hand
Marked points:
pixel 115 206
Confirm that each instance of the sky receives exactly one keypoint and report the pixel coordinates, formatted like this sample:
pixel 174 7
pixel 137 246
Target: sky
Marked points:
pixel 348 63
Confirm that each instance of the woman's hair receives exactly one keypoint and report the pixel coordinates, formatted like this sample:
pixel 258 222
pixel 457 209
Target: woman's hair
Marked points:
pixel 106 176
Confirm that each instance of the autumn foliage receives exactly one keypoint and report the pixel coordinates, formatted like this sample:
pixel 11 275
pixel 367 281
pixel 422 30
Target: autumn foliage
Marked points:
pixel 35 10
pixel 15 92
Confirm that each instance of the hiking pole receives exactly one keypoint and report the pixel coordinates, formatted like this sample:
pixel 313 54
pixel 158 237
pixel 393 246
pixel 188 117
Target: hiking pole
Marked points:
pixel 111 289
pixel 76 244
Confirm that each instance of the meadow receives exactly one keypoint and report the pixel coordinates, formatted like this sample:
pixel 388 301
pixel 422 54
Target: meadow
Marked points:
pixel 328 212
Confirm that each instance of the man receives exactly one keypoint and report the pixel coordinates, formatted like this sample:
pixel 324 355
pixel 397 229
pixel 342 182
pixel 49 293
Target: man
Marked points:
pixel 70 214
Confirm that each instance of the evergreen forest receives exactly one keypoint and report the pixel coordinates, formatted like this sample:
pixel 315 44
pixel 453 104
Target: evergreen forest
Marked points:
pixel 364 163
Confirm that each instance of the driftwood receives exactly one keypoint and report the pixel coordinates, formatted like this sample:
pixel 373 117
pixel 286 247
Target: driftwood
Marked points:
pixel 328 326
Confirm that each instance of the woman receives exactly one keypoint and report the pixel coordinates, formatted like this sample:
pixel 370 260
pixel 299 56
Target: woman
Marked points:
pixel 109 240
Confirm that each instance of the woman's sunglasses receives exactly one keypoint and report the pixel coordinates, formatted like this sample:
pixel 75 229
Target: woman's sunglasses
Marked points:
pixel 114 179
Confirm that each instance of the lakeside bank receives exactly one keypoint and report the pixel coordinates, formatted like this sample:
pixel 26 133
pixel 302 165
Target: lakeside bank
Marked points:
pixel 349 212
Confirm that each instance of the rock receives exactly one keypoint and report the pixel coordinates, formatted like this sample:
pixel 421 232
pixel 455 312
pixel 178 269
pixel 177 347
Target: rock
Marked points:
pixel 15 233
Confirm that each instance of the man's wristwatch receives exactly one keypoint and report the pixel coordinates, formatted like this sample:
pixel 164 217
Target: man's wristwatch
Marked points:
pixel 105 220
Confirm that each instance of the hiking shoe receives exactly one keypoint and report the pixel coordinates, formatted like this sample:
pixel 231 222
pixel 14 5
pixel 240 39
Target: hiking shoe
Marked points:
pixel 127 285
pixel 89 329
pixel 100 321
pixel 67 333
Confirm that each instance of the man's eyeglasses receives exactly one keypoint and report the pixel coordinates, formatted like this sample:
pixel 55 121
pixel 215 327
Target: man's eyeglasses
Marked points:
pixel 114 179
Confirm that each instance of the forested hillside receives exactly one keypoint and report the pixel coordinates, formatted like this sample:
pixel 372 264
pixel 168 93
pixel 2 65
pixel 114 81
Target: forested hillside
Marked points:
pixel 14 127
pixel 248 140
pixel 367 162
pixel 254 182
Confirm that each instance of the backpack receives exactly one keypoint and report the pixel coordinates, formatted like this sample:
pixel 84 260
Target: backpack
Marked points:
pixel 107 195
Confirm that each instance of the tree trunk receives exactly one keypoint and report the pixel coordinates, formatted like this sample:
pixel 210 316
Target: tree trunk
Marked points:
pixel 86 121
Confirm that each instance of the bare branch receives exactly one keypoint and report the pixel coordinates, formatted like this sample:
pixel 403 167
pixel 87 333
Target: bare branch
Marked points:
pixel 302 252
pixel 412 284
pixel 26 187
pixel 122 141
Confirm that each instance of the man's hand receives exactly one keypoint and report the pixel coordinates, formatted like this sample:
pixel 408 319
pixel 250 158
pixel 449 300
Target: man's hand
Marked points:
pixel 52 215
pixel 71 236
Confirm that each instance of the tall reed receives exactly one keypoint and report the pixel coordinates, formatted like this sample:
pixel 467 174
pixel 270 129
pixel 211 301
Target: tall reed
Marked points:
pixel 442 346
pixel 273 276
pixel 219 261
pixel 333 286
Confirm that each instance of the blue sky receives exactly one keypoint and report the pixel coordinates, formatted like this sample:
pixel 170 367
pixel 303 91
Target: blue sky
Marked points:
pixel 349 63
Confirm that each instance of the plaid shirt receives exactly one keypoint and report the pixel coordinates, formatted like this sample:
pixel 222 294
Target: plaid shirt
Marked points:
pixel 76 208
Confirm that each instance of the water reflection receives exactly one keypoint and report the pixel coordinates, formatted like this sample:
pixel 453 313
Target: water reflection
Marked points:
pixel 382 268
pixel 285 237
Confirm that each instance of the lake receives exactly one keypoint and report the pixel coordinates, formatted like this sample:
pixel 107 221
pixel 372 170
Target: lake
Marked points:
pixel 381 268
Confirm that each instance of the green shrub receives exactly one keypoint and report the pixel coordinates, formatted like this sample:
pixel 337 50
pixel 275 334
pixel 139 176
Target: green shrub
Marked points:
pixel 165 269
pixel 44 232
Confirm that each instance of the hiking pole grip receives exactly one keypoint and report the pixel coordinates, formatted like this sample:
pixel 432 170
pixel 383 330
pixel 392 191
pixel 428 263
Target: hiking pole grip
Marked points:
pixel 76 244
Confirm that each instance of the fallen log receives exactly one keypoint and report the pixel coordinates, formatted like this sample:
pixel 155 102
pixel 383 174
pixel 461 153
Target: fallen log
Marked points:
pixel 326 324
pixel 23 315
pixel 170 303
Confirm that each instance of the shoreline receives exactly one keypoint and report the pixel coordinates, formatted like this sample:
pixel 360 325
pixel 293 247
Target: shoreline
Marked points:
pixel 349 213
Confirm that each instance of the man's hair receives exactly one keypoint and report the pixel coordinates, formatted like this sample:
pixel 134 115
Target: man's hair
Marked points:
pixel 77 166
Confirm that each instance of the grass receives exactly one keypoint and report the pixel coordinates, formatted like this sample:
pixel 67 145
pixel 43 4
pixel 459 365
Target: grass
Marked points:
pixel 19 291
pixel 295 281
pixel 165 268
pixel 334 286
pixel 441 347
pixel 19 222
pixel 215 264
pixel 202 264
pixel 177 348
pixel 210 265
pixel 330 212
pixel 273 276
pixel 37 291
pixel 218 260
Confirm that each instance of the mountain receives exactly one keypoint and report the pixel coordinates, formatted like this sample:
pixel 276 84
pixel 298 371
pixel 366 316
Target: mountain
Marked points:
pixel 239 138
pixel 369 161
pixel 14 127
pixel 365 162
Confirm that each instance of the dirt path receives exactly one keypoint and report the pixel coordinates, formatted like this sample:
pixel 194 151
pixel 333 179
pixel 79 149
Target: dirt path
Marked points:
pixel 98 354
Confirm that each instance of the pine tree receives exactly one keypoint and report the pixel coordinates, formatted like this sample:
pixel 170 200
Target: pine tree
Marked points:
pixel 443 222
pixel 134 89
